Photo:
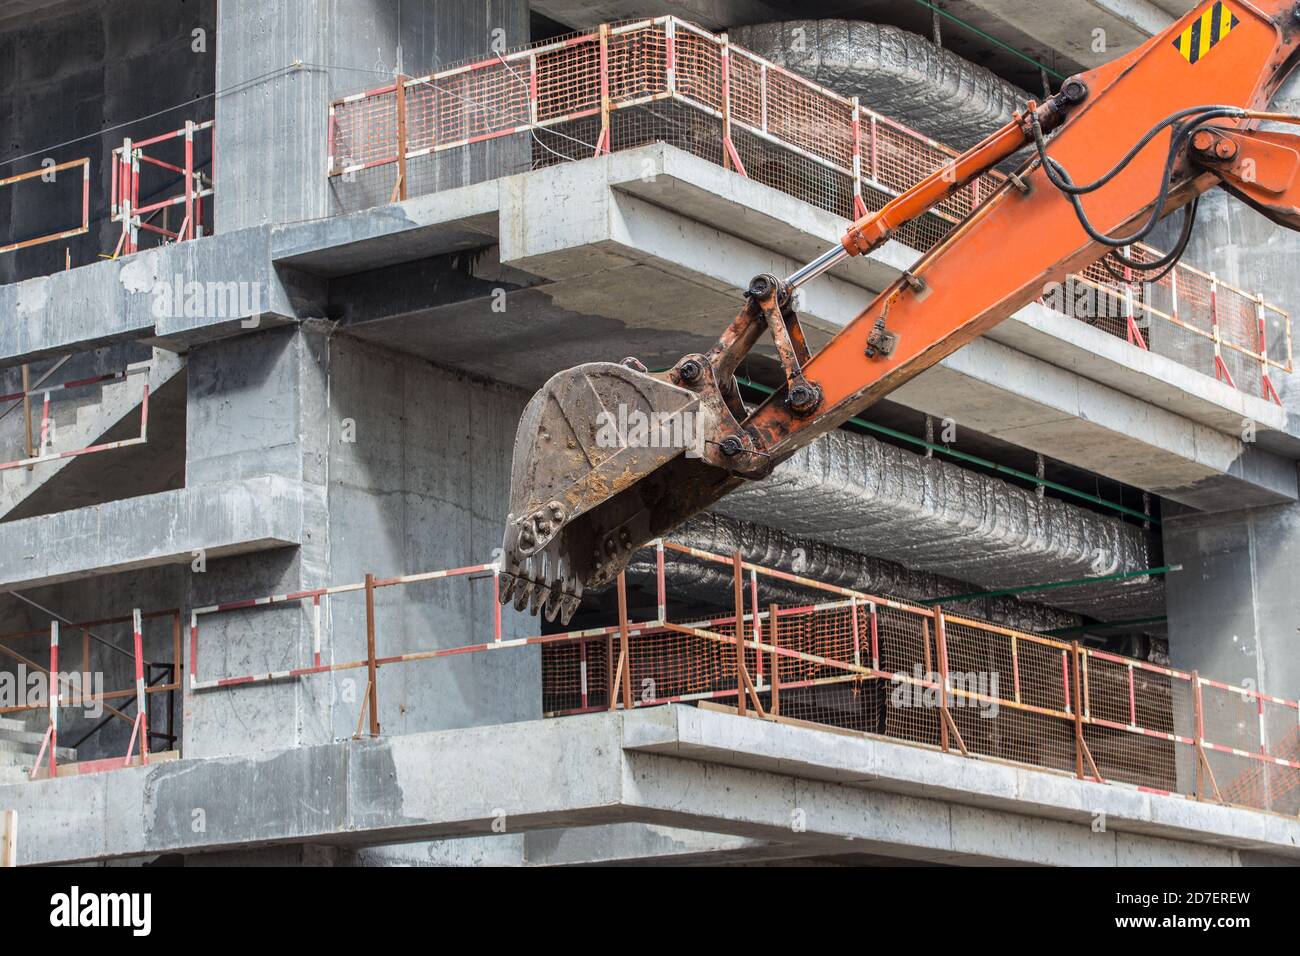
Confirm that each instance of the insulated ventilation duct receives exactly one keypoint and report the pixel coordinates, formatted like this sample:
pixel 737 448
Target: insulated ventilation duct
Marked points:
pixel 896 73
pixel 863 495
pixel 711 584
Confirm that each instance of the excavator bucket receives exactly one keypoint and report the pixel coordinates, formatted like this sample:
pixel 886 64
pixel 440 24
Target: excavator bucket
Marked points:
pixel 593 458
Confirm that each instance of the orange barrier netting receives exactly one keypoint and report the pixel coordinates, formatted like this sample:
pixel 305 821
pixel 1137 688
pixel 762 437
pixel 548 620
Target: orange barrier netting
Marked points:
pixel 665 80
pixel 857 662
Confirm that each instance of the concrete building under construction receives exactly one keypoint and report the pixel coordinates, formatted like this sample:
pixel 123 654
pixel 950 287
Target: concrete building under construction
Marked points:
pixel 279 280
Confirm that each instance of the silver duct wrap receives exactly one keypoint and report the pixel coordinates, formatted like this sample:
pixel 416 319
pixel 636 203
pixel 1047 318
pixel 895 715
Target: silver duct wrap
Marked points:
pixel 896 73
pixel 862 495
pixel 711 583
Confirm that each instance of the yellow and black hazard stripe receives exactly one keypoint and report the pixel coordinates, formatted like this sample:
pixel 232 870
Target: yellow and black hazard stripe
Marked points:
pixel 1205 32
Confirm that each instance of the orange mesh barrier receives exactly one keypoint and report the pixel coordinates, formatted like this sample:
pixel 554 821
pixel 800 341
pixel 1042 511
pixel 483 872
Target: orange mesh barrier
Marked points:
pixel 918 675
pixel 844 660
pixel 664 80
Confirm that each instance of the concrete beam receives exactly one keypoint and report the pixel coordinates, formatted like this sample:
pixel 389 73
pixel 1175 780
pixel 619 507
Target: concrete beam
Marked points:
pixel 672 766
pixel 1142 15
pixel 1069 29
pixel 222 519
pixel 710 14
pixel 176 296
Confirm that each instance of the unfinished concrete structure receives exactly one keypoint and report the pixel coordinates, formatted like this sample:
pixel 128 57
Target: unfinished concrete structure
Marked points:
pixel 334 336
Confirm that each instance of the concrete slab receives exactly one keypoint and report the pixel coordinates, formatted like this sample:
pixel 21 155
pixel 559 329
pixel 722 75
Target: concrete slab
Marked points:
pixel 673 767
pixel 223 519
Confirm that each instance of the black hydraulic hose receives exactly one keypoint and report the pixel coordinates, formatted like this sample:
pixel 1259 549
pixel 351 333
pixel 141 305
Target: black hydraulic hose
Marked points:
pixel 1060 178
pixel 1165 264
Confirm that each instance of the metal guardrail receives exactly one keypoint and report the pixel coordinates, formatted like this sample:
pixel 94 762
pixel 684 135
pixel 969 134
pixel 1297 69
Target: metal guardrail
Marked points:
pixel 856 662
pixel 631 84
pixel 44 174
pixel 63 692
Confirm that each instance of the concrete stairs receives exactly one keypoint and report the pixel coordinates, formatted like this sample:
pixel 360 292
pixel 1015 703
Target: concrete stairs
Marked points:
pixel 81 419
pixel 20 743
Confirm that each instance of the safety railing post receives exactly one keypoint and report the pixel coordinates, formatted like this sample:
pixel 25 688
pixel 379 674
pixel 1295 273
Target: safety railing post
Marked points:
pixel 941 654
pixel 401 136
pixel 661 587
pixel 875 151
pixel 1267 391
pixel 1220 367
pixel 739 590
pixel 372 692
pixel 1203 771
pixel 8 838
pixel 54 700
pixel 126 199
pixel 757 628
pixel 189 180
pixel 670 56
pixel 533 110
pixel 859 207
pixel 730 158
pixel 603 143
pixel 1078 713
pixel 27 412
pixel 875 638
pixel 141 709
pixel 624 643
pixel 772 638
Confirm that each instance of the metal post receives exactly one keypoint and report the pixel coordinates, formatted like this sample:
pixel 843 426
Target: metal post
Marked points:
pixel 189 180
pixel 739 588
pixel 772 633
pixel 859 207
pixel 1079 745
pixel 126 197
pixel 943 677
pixel 27 411
pixel 54 700
pixel 602 144
pixel 401 136
pixel 670 53
pixel 141 710
pixel 372 670
pixel 624 643
pixel 8 838
pixel 757 625
pixel 730 158
pixel 875 640
pixel 660 585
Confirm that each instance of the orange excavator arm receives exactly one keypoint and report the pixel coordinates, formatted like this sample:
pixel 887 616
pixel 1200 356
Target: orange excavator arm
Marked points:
pixel 1129 143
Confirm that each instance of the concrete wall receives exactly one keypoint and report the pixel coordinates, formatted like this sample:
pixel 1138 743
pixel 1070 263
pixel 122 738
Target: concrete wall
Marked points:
pixel 1234 609
pixel 69 75
pixel 272 131
pixel 405 468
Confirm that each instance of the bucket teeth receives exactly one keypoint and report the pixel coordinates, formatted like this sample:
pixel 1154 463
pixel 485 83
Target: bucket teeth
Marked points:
pixel 505 587
pixel 523 590
pixel 554 600
pixel 540 593
pixel 568 607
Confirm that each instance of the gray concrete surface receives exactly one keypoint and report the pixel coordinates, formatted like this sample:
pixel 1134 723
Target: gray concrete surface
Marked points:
pixel 673 766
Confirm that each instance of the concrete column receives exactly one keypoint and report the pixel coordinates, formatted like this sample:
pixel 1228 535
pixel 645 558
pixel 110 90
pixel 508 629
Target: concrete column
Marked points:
pixel 280 64
pixel 1234 609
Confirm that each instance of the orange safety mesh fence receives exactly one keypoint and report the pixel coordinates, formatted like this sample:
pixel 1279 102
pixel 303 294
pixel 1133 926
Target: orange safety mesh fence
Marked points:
pixel 841 659
pixel 914 674
pixel 664 80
